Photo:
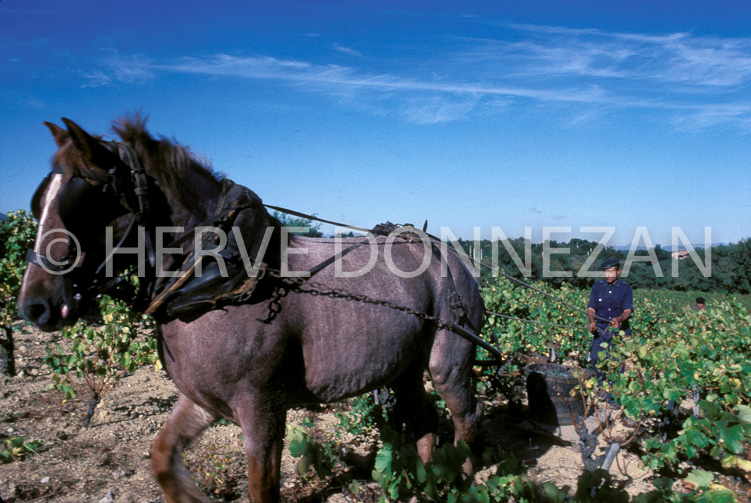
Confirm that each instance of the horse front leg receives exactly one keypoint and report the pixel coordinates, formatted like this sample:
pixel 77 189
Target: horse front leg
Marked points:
pixel 262 420
pixel 185 423
pixel 451 371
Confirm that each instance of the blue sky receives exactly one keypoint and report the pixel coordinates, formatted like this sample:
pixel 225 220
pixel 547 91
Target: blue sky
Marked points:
pixel 485 114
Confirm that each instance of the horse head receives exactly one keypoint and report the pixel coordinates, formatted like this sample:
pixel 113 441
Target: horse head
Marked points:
pixel 101 201
pixel 74 205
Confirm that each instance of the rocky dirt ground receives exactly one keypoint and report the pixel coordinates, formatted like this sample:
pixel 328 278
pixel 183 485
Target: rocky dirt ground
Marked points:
pixel 109 460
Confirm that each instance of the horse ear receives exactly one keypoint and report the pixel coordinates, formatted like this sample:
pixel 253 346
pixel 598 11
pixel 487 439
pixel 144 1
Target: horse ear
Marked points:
pixel 91 148
pixel 59 134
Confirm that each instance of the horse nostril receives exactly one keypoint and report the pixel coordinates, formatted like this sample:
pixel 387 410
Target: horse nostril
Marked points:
pixel 37 312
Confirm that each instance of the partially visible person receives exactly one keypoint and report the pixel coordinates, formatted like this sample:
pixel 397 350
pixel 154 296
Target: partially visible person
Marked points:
pixel 611 299
pixel 700 304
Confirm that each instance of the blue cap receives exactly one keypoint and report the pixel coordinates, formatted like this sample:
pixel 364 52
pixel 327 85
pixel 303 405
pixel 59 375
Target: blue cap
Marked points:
pixel 611 262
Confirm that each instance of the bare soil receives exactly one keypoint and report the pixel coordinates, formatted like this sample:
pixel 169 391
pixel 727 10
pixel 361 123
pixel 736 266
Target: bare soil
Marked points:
pixel 109 460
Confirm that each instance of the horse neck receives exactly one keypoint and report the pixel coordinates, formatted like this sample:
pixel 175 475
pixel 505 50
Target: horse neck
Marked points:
pixel 196 197
pixel 191 197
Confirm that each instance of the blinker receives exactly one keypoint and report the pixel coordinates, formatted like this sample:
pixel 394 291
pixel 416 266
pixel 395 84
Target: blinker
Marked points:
pixel 72 196
pixel 83 206
pixel 80 204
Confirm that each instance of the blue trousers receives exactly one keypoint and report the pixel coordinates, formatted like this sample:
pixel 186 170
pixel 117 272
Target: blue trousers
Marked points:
pixel 597 353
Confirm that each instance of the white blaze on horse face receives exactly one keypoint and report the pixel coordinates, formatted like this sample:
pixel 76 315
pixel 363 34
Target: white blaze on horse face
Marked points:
pixel 50 196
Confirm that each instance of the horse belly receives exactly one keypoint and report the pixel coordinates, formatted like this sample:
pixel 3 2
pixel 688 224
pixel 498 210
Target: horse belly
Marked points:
pixel 351 357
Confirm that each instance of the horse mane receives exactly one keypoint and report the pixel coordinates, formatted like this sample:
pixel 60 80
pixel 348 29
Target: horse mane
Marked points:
pixel 172 164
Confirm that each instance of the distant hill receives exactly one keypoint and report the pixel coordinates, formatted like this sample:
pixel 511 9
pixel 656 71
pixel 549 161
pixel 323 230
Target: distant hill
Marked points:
pixel 625 248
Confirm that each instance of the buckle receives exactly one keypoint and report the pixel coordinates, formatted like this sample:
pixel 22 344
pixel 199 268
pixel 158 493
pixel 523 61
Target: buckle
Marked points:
pixel 457 308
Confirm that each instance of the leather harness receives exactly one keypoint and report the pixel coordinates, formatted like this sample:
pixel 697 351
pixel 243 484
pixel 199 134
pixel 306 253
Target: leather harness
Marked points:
pixel 224 217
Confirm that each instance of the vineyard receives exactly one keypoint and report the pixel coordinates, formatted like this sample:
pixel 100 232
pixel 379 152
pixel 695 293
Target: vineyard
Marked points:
pixel 683 379
pixel 78 416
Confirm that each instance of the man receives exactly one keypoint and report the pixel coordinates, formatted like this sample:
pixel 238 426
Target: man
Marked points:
pixel 700 304
pixel 610 299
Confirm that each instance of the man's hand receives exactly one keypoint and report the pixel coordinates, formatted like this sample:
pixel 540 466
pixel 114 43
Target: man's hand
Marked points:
pixel 592 323
pixel 615 323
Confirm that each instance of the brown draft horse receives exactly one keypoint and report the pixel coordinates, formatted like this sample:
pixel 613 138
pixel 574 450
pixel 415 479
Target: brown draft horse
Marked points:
pixel 252 361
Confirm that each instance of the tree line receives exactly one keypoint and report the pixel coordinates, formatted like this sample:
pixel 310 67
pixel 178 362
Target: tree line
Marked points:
pixel 724 268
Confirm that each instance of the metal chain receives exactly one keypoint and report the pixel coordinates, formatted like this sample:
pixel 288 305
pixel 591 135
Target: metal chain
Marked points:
pixel 316 288
pixel 304 285
pixel 458 252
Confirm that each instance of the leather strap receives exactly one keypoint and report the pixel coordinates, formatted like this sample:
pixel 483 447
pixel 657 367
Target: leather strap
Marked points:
pixel 311 217
pixel 47 263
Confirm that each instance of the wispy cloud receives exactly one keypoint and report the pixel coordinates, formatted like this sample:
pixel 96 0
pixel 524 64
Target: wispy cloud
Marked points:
pixel 690 78
pixel 658 59
pixel 713 115
pixel 117 69
pixel 350 77
pixel 437 109
pixel 347 50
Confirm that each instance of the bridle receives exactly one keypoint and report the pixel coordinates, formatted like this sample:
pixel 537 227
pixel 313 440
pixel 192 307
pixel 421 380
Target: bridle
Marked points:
pixel 118 197
pixel 132 198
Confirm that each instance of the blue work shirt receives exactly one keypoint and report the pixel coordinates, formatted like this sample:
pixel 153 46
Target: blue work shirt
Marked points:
pixel 610 300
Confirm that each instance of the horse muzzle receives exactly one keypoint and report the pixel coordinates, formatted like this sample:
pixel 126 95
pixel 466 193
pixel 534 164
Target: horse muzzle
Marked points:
pixel 43 314
pixel 54 307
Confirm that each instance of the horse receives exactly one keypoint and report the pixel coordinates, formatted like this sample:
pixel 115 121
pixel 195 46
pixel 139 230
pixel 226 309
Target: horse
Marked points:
pixel 294 341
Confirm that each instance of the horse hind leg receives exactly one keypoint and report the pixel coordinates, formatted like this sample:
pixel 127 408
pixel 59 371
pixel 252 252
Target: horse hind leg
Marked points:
pixel 414 408
pixel 185 423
